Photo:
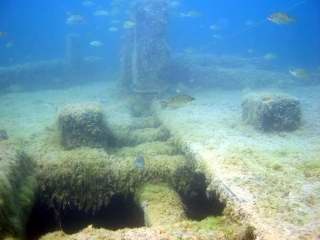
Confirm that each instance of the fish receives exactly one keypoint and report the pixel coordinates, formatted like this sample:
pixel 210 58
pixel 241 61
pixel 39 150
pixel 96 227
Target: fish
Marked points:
pixel 190 14
pixel 139 162
pixel 3 135
pixel 270 56
pixel 281 18
pixel 75 20
pixel 177 101
pixel 9 45
pixel 249 23
pixel 88 3
pixel 299 73
pixel 214 27
pixel 129 24
pixel 101 13
pixel 3 34
pixel 174 4
pixel 92 59
pixel 96 44
pixel 250 51
pixel 217 36
pixel 113 29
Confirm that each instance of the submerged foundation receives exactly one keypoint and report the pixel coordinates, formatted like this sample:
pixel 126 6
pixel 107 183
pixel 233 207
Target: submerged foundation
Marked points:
pixel 134 188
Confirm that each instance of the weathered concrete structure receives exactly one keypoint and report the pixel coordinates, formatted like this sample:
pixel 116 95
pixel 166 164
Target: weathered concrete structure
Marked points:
pixel 272 112
pixel 145 53
pixel 83 125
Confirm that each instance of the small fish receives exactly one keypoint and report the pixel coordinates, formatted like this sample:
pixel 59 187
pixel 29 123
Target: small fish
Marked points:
pixel 75 20
pixel 270 56
pixel 9 45
pixel 96 44
pixel 190 14
pixel 3 34
pixel 299 73
pixel 113 29
pixel 101 13
pixel 129 24
pixel 139 162
pixel 177 101
pixel 92 59
pixel 215 27
pixel 250 51
pixel 174 4
pixel 3 135
pixel 217 36
pixel 249 23
pixel 88 3
pixel 281 18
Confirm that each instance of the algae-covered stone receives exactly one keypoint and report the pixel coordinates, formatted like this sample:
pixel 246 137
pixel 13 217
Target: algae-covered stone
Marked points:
pixel 161 205
pixel 83 125
pixel 17 187
pixel 271 112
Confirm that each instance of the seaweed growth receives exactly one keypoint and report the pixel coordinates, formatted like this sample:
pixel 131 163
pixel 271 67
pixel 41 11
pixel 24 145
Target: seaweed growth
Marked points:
pixel 17 186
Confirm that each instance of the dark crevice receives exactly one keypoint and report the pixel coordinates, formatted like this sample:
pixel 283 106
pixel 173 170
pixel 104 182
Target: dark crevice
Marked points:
pixel 198 204
pixel 122 212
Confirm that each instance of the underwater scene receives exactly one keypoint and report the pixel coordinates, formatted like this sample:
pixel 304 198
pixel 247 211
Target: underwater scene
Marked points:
pixel 160 120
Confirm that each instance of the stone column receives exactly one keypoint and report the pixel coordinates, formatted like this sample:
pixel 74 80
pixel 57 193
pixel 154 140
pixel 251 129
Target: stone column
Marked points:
pixel 145 53
pixel 73 51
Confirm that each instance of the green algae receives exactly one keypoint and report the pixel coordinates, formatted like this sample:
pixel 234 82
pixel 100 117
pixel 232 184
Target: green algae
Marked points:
pixel 87 178
pixel 161 205
pixel 17 184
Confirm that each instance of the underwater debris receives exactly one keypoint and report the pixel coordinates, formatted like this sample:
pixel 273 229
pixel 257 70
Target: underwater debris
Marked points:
pixel 3 135
pixel 281 18
pixel 177 101
pixel 272 112
pixel 83 125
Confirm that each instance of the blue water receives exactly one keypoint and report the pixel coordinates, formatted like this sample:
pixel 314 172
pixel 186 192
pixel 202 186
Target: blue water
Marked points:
pixel 37 29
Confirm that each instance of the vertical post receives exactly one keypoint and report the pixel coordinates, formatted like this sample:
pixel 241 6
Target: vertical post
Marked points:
pixel 146 53
pixel 73 52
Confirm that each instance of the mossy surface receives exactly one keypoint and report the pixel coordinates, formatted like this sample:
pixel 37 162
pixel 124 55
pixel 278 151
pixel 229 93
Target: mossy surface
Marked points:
pixel 217 228
pixel 17 185
pixel 86 178
pixel 83 125
pixel 161 205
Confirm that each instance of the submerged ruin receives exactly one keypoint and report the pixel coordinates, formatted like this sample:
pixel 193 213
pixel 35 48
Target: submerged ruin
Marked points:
pixel 207 155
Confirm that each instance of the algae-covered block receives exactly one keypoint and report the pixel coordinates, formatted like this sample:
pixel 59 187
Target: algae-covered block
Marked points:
pixel 271 111
pixel 17 190
pixel 83 125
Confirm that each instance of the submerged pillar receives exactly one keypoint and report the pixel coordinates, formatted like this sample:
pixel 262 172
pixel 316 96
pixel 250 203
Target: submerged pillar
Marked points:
pixel 73 51
pixel 145 53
